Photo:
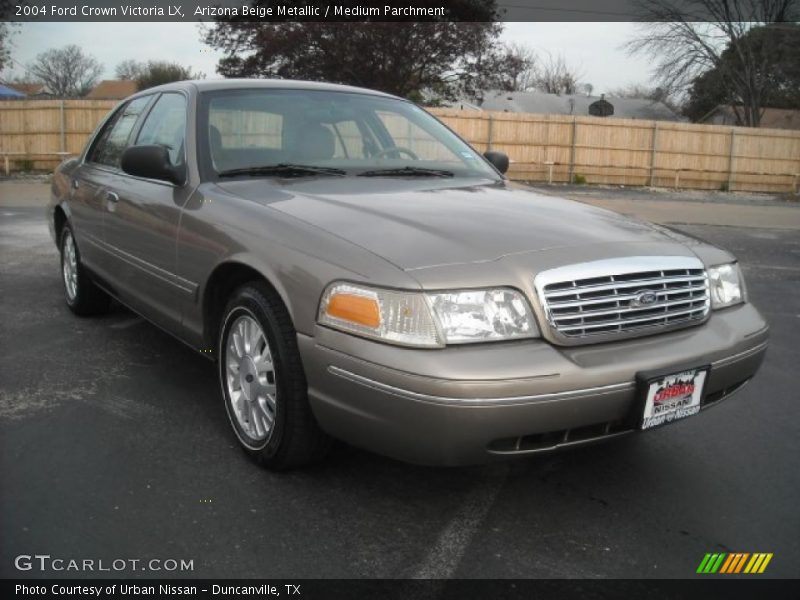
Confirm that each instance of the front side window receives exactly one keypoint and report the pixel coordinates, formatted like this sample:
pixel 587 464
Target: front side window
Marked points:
pixel 114 138
pixel 354 133
pixel 166 126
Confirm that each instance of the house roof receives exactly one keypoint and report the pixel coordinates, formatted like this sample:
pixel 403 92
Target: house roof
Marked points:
pixel 781 118
pixel 29 89
pixel 113 89
pixel 575 104
pixel 771 118
pixel 7 92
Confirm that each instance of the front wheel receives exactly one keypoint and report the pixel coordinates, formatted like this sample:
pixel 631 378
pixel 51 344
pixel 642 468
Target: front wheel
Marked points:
pixel 263 382
pixel 83 297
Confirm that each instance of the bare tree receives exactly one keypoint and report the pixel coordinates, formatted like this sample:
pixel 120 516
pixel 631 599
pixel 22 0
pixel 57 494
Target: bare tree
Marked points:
pixel 690 37
pixel 586 88
pixel 521 68
pixel 5 33
pixel 641 91
pixel 129 69
pixel 154 72
pixel 158 72
pixel 66 71
pixel 633 90
pixel 555 76
pixel 5 50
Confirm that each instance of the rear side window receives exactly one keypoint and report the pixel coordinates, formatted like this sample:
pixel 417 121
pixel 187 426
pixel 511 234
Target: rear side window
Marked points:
pixel 115 136
pixel 165 125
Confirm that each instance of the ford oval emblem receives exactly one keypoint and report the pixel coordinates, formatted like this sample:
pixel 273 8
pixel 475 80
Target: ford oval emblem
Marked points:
pixel 644 298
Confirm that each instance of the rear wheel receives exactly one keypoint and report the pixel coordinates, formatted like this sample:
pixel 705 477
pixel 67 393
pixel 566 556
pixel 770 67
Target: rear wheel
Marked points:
pixel 82 295
pixel 263 382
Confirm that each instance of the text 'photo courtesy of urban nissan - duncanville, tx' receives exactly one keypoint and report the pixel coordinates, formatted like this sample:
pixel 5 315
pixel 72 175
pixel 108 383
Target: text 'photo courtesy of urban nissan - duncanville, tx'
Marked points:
pixel 433 302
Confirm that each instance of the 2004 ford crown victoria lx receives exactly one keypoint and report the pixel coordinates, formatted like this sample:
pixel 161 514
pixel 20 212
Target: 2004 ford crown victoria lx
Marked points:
pixel 359 272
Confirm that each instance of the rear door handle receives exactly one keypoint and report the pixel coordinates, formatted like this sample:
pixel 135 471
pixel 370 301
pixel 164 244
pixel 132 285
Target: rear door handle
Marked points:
pixel 111 201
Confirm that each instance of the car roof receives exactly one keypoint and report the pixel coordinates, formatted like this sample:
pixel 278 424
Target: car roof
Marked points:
pixel 212 85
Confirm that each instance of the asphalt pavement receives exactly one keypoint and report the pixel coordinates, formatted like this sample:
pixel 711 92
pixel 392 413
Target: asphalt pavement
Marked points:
pixel 114 445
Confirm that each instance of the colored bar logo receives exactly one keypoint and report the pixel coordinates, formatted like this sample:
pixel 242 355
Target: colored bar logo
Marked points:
pixel 734 563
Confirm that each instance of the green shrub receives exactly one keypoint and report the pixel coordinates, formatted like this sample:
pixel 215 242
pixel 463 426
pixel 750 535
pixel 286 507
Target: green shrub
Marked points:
pixel 579 179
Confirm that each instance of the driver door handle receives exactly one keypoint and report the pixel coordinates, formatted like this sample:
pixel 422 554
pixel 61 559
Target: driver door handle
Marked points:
pixel 111 201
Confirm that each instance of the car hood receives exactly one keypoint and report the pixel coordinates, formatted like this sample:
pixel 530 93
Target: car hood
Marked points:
pixel 423 223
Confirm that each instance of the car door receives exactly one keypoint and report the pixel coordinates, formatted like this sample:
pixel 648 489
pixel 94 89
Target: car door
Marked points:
pixel 92 182
pixel 142 220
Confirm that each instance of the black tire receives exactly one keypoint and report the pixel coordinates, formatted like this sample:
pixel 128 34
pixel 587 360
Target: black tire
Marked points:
pixel 88 299
pixel 295 439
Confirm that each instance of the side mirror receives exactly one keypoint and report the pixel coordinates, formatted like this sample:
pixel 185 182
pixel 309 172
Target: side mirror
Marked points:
pixel 498 159
pixel 151 162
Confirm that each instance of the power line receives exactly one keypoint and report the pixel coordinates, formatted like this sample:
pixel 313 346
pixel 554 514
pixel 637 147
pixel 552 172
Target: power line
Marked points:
pixel 566 10
pixel 629 17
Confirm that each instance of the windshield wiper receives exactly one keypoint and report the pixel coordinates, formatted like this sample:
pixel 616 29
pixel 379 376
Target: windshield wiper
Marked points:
pixel 407 172
pixel 284 169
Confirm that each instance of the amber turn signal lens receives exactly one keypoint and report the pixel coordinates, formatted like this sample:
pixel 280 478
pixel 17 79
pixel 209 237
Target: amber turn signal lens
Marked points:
pixel 356 309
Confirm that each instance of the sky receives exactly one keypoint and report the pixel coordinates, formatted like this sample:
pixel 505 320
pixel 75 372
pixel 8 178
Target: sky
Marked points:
pixel 592 48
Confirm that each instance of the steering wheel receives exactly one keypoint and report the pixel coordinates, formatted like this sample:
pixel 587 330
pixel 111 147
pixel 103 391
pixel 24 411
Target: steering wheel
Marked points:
pixel 398 149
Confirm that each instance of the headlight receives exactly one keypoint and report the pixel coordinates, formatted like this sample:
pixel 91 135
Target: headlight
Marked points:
pixel 427 320
pixel 726 284
pixel 483 315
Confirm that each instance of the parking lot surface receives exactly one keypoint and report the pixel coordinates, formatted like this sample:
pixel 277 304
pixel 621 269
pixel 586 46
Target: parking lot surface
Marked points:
pixel 115 444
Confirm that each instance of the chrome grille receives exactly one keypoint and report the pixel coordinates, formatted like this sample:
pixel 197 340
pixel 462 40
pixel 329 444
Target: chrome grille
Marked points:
pixel 611 298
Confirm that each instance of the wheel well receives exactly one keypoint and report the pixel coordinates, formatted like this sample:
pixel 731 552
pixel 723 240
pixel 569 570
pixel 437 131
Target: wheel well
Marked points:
pixel 221 284
pixel 59 218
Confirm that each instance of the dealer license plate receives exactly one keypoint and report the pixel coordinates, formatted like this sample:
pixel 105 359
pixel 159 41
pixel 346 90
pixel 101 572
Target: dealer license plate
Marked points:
pixel 673 397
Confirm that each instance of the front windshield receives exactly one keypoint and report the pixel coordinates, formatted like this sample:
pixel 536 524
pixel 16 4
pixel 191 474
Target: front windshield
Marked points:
pixel 359 134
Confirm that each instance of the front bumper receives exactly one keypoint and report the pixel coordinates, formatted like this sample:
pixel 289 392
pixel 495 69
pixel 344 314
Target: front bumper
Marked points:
pixel 474 403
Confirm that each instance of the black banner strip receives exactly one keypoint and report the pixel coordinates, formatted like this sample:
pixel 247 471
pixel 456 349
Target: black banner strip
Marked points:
pixel 336 10
pixel 730 588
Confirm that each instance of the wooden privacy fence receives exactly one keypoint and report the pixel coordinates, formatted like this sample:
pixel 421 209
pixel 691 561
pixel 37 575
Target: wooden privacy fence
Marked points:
pixel 563 148
pixel 556 148
pixel 39 133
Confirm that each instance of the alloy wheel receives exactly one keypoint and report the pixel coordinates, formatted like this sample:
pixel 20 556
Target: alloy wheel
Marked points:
pixel 69 265
pixel 250 377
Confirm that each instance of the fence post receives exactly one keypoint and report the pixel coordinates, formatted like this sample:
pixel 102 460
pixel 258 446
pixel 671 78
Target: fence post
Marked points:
pixel 63 126
pixel 572 151
pixel 26 143
pixel 653 153
pixel 490 133
pixel 730 160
